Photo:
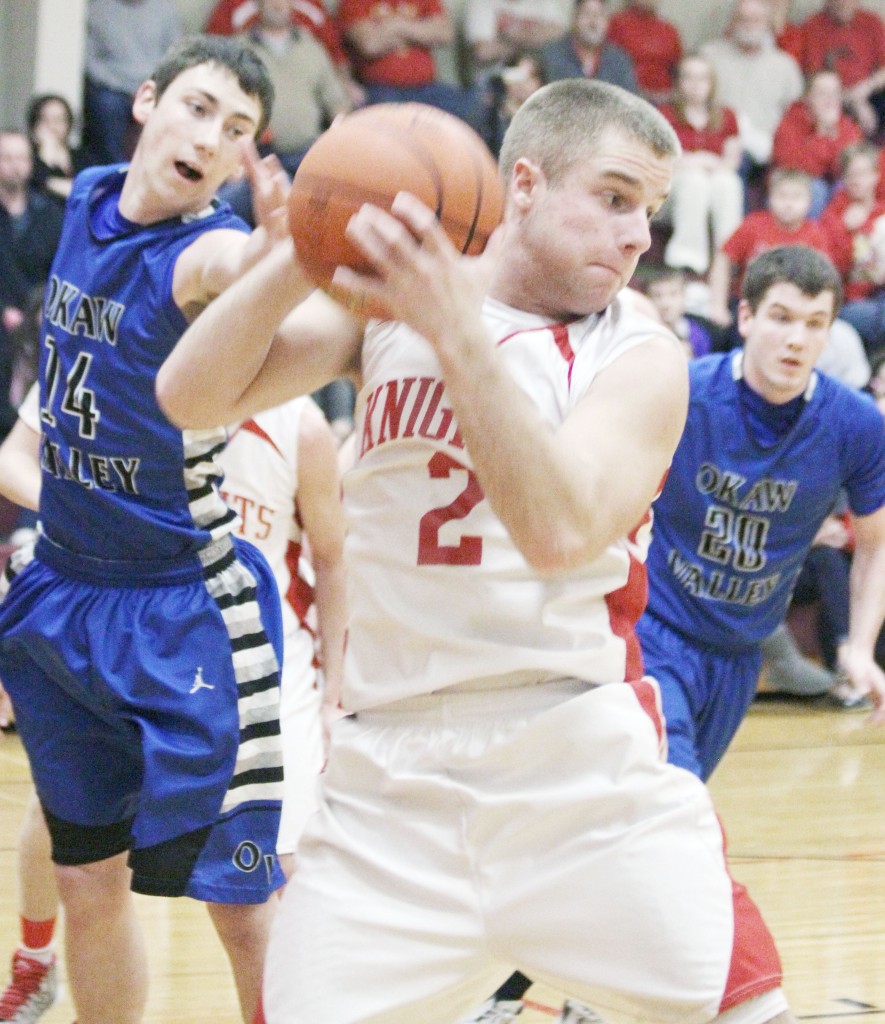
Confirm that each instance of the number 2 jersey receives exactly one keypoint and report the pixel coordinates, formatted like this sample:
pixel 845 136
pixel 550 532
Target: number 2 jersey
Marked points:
pixel 439 595
pixel 737 516
pixel 120 482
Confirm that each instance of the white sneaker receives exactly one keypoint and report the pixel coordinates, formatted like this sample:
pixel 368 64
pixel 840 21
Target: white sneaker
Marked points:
pixel 495 1011
pixel 577 1013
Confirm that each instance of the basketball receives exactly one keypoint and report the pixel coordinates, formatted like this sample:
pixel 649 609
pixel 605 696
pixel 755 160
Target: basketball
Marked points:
pixel 374 153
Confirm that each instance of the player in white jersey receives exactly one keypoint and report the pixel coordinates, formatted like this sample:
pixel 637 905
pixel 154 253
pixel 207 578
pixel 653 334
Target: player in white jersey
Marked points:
pixel 280 476
pixel 500 798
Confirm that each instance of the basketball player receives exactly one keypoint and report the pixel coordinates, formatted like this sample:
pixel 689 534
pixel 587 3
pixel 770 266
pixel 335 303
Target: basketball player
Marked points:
pixel 140 643
pixel 500 797
pixel 281 477
pixel 768 446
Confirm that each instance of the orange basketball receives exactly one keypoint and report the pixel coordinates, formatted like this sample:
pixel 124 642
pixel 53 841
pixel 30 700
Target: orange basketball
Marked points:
pixel 374 153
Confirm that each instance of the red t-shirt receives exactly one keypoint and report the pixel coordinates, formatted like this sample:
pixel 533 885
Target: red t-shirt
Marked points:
pixel 760 231
pixel 229 17
pixel 854 50
pixel 409 66
pixel 654 46
pixel 694 140
pixel 792 40
pixel 851 250
pixel 797 144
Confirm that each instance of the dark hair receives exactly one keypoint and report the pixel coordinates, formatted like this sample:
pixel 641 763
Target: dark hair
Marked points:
pixel 35 109
pixel 561 123
pixel 230 53
pixel 808 269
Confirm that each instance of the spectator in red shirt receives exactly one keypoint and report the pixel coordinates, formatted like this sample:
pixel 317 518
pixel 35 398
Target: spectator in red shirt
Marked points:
pixel 787 34
pixel 654 45
pixel 707 191
pixel 785 222
pixel 850 41
pixel 392 46
pixel 854 222
pixel 813 134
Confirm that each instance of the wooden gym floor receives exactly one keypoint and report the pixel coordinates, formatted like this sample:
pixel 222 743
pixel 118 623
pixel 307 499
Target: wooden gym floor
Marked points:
pixel 802 797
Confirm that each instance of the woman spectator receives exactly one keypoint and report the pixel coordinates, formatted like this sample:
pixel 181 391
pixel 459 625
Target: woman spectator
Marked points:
pixel 813 134
pixel 707 190
pixel 50 121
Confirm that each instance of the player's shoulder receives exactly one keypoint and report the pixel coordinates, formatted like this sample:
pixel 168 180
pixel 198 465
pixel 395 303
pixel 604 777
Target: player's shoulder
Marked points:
pixel 847 408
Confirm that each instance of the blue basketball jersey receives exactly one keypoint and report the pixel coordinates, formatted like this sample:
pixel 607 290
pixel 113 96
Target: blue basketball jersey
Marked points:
pixel 119 480
pixel 737 516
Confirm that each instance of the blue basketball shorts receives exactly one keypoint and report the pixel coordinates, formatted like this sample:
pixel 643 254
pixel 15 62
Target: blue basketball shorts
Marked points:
pixel 705 693
pixel 149 709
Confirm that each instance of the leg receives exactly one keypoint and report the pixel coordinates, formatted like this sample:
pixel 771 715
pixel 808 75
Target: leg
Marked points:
pixel 244 929
pixel 38 895
pixel 107 966
pixel 33 986
pixel 689 245
pixel 727 205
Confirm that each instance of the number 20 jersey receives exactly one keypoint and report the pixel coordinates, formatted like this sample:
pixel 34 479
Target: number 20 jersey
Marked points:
pixel 439 594
pixel 736 517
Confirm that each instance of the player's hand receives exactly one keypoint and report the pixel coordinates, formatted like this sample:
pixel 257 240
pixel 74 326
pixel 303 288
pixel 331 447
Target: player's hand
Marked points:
pixel 865 676
pixel 270 191
pixel 419 276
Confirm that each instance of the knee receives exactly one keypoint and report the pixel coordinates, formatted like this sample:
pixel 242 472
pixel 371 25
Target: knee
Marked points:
pixel 239 925
pixel 94 891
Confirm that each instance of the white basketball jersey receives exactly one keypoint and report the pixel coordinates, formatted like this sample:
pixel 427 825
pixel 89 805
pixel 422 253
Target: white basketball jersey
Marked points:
pixel 439 594
pixel 260 483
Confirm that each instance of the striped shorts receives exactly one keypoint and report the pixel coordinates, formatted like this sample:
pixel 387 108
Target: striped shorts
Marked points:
pixel 150 714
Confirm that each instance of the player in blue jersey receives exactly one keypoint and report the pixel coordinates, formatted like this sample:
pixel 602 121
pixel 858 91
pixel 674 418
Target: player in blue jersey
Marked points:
pixel 139 641
pixel 768 445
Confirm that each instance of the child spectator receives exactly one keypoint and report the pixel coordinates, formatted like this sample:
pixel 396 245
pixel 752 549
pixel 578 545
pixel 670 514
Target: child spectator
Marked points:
pixel 665 287
pixel 854 222
pixel 785 222
pixel 813 134
pixel 707 190
pixel 654 46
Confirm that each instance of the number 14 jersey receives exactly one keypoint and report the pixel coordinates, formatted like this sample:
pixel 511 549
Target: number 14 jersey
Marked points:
pixel 439 594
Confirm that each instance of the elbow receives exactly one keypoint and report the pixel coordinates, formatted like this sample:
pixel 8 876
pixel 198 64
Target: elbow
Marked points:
pixel 551 554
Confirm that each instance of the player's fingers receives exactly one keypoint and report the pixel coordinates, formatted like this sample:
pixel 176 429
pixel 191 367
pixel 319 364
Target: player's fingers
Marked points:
pixel 354 291
pixel 386 242
pixel 421 222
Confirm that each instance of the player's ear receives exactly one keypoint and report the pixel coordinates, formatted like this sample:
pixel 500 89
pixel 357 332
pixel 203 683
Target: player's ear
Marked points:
pixel 524 181
pixel 145 100
pixel 744 317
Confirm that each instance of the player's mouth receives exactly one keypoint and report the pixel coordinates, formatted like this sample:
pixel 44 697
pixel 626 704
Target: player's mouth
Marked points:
pixel 188 171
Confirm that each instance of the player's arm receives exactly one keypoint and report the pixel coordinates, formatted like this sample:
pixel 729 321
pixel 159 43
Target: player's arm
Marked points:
pixel 566 494
pixel 866 609
pixel 20 464
pixel 267 338
pixel 322 516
